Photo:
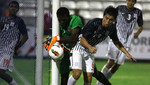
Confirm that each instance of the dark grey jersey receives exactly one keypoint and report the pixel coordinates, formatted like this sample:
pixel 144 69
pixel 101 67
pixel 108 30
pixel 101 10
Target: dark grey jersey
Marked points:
pixel 126 22
pixel 95 33
pixel 10 33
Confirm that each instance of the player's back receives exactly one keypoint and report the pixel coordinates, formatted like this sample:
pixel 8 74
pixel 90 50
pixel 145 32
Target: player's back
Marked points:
pixel 95 33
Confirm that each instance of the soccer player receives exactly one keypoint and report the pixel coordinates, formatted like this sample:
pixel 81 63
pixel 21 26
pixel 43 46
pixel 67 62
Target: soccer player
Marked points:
pixel 13 34
pixel 94 32
pixel 70 27
pixel 127 17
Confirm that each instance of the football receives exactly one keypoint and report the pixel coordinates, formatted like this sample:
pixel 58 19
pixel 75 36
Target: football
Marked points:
pixel 56 52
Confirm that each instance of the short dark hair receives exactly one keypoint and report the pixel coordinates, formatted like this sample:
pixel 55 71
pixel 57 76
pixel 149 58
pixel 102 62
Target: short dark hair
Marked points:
pixel 14 2
pixel 111 11
pixel 63 11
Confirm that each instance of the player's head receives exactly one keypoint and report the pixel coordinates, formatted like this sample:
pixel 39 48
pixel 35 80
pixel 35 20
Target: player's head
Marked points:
pixel 109 17
pixel 63 16
pixel 130 4
pixel 13 8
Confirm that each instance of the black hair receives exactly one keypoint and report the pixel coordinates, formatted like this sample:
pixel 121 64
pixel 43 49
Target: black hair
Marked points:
pixel 14 2
pixel 111 11
pixel 63 11
pixel 135 1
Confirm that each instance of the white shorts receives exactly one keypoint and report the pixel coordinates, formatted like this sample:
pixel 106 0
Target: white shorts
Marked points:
pixel 82 59
pixel 116 54
pixel 6 61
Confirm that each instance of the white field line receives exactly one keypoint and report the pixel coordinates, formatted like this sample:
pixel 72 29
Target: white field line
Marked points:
pixel 21 77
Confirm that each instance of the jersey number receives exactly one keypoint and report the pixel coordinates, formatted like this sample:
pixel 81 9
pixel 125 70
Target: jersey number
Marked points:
pixel 6 27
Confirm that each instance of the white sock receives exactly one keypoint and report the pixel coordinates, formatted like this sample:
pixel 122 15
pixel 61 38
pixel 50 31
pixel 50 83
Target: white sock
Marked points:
pixel 104 70
pixel 71 81
pixel 86 83
pixel 13 82
pixel 98 83
pixel 109 74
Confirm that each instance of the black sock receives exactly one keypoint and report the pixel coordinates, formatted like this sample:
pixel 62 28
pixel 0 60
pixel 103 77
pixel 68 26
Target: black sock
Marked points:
pixel 100 77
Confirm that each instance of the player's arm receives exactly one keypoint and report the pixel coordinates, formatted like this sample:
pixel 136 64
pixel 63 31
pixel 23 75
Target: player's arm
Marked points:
pixel 23 40
pixel 136 34
pixel 87 45
pixel 140 24
pixel 72 38
pixel 119 45
pixel 23 30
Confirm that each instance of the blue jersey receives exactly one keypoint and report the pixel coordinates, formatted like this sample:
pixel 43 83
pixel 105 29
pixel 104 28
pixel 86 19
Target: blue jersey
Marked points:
pixel 95 33
pixel 11 33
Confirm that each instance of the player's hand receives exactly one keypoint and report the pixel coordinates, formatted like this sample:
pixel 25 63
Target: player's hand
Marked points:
pixel 132 58
pixel 17 50
pixel 50 41
pixel 92 49
pixel 136 35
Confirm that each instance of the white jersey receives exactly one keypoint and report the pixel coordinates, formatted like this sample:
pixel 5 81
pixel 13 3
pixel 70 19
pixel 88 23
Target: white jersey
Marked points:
pixel 9 38
pixel 10 33
pixel 126 21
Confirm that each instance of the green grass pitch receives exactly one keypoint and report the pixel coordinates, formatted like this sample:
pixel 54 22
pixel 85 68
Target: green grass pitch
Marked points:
pixel 129 74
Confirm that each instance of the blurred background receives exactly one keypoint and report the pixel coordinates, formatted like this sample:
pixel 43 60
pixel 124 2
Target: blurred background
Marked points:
pixel 24 71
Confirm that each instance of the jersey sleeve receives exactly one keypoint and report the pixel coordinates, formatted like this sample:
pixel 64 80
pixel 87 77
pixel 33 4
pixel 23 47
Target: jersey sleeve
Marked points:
pixel 22 27
pixel 114 36
pixel 140 19
pixel 77 23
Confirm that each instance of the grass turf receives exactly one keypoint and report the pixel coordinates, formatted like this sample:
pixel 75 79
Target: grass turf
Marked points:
pixel 129 74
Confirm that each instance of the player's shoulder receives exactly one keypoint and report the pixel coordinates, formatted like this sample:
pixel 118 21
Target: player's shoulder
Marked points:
pixel 19 19
pixel 96 20
pixel 74 16
pixel 137 9
pixel 121 7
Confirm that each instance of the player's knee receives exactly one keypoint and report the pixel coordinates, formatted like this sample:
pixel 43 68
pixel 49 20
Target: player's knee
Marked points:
pixel 76 74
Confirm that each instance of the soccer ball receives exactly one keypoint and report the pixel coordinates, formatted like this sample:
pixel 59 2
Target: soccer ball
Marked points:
pixel 56 52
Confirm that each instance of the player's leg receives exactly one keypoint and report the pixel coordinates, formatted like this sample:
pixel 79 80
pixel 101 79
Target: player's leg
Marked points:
pixel 5 61
pixel 100 77
pixel 87 78
pixel 64 68
pixel 5 76
pixel 76 65
pixel 107 66
pixel 88 68
pixel 64 78
pixel 112 55
pixel 115 67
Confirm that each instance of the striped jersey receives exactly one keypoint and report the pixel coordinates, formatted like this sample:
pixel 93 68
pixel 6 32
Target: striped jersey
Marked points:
pixel 95 33
pixel 126 21
pixel 11 32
